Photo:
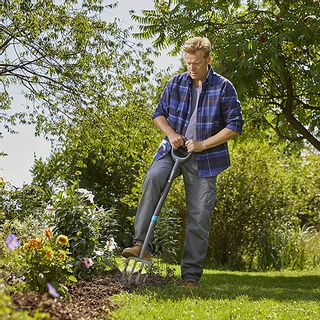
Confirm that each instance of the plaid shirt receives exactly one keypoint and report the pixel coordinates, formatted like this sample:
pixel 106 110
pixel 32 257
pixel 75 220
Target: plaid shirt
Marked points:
pixel 218 108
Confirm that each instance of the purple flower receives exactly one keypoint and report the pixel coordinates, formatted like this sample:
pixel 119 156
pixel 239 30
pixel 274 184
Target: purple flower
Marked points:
pixel 52 290
pixel 12 241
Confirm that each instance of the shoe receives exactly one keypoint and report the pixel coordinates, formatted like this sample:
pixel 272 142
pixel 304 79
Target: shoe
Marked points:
pixel 135 252
pixel 190 284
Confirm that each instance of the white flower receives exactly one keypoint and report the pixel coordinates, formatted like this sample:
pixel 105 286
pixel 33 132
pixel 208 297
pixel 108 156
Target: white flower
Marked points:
pixel 98 253
pixel 111 245
pixel 87 194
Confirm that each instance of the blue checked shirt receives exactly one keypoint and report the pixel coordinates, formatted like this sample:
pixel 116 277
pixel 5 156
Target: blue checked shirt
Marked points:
pixel 218 108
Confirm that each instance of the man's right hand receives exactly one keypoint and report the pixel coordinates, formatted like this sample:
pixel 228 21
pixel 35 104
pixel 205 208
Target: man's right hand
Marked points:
pixel 176 140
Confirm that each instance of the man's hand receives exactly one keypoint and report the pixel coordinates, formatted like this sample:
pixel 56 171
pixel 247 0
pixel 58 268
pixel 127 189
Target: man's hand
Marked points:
pixel 176 140
pixel 195 146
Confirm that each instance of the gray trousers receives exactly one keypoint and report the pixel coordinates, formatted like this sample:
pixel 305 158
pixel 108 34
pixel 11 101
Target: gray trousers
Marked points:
pixel 200 195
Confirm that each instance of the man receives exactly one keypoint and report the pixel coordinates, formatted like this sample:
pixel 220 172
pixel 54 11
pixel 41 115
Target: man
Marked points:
pixel 198 109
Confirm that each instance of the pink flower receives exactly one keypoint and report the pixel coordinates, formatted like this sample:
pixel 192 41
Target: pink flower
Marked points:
pixel 88 262
pixel 12 241
pixel 52 290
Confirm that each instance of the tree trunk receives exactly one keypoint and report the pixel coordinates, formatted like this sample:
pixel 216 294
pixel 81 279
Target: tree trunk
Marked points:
pixel 289 107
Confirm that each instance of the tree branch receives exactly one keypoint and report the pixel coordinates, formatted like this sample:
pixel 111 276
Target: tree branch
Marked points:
pixel 307 105
pixel 4 45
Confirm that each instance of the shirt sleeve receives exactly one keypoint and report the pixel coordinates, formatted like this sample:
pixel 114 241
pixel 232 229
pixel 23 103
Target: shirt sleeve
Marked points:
pixel 231 108
pixel 162 108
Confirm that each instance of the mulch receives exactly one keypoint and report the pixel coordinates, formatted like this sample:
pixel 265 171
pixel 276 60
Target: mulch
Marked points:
pixel 87 299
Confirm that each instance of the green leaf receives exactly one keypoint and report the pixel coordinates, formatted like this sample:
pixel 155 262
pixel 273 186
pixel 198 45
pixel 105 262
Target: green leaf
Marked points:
pixel 72 278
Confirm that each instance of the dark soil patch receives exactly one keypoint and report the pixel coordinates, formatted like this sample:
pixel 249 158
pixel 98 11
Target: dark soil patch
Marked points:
pixel 87 300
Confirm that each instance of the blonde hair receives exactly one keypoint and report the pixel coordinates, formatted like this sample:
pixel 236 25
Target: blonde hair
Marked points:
pixel 197 43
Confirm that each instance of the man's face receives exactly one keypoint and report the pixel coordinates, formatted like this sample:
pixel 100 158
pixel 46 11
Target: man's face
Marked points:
pixel 197 65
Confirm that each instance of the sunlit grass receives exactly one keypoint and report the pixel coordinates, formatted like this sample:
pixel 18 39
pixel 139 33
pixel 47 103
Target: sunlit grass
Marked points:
pixel 228 295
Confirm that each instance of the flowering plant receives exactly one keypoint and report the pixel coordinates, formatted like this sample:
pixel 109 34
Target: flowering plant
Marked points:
pixel 44 260
pixel 73 212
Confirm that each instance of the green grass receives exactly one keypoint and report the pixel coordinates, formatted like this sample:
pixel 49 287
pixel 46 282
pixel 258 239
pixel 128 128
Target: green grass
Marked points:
pixel 228 295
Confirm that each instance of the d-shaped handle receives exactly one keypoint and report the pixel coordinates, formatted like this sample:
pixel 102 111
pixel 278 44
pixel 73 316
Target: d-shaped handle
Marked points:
pixel 180 154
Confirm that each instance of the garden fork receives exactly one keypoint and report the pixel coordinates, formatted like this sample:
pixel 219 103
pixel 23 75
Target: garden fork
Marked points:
pixel 133 273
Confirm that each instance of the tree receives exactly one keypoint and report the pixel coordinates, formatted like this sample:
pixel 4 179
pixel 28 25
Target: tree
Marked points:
pixel 269 49
pixel 91 88
pixel 70 59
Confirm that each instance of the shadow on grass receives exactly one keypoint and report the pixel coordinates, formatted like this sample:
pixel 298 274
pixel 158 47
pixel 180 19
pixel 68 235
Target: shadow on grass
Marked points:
pixel 231 286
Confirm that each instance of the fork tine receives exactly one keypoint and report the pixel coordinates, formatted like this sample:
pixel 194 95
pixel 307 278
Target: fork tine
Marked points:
pixel 133 274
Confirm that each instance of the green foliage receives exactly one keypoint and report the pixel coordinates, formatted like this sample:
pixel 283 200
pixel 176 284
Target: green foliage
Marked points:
pixel 268 49
pixel 39 261
pixel 166 235
pixel 255 224
pixel 71 59
pixel 88 227
pixel 281 249
pixel 11 262
pixel 29 200
pixel 23 228
pixel 115 154
pixel 306 200
pixel 312 248
pixel 87 247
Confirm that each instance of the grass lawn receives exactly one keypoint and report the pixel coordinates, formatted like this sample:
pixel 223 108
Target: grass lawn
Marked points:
pixel 228 295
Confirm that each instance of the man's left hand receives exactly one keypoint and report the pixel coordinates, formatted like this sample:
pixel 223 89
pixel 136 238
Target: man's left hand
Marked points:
pixel 194 145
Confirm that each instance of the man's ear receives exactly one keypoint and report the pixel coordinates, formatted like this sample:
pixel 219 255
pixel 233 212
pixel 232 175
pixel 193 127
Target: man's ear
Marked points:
pixel 209 59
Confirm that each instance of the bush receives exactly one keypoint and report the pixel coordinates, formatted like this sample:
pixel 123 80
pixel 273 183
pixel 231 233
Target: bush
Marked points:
pixel 306 189
pixel 166 234
pixel 90 229
pixel 255 224
pixel 311 239
pixel 22 202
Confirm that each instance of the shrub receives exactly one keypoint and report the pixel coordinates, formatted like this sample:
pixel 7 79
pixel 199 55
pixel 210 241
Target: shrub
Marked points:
pixel 20 203
pixel 255 222
pixel 88 227
pixel 306 189
pixel 166 235
pixel 311 239
pixel 280 249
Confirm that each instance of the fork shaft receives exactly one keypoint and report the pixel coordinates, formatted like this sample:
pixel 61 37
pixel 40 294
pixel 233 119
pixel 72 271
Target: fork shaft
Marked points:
pixel 156 213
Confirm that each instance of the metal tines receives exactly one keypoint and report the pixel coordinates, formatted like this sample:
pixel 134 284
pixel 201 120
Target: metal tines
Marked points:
pixel 136 270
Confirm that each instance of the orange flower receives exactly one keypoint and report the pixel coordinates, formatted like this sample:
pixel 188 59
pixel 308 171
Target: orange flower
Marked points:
pixel 35 244
pixel 63 240
pixel 49 253
pixel 48 233
pixel 62 255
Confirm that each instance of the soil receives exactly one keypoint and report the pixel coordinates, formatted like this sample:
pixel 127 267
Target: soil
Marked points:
pixel 87 300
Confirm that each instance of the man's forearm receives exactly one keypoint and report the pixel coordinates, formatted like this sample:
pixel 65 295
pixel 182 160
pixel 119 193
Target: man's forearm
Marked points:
pixel 162 123
pixel 175 139
pixel 219 138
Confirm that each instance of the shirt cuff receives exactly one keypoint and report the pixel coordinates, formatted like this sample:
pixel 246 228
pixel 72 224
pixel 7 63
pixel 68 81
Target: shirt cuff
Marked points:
pixel 156 114
pixel 235 126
